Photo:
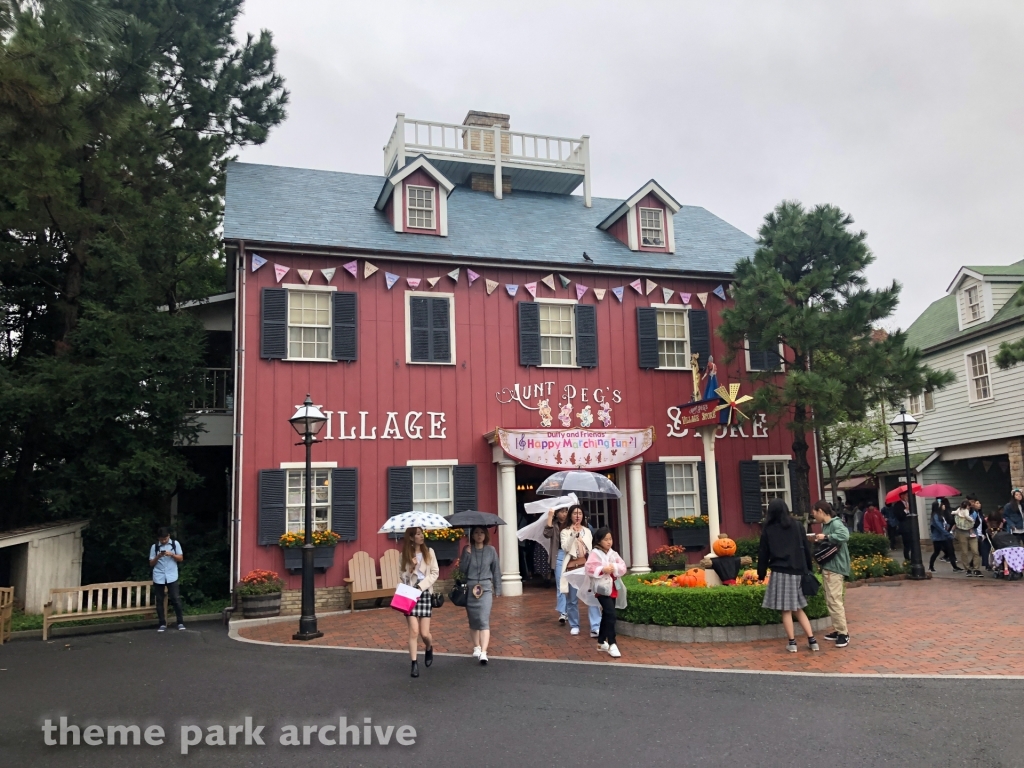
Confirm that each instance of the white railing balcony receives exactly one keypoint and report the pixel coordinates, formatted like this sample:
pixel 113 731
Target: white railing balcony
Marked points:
pixel 215 392
pixel 497 148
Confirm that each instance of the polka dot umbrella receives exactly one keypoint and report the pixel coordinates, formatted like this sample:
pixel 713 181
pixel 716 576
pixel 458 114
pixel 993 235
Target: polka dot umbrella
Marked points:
pixel 428 521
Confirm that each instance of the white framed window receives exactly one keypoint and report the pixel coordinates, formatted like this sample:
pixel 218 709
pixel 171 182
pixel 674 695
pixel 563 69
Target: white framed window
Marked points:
pixel 762 360
pixel 651 227
pixel 929 401
pixel 979 385
pixel 921 403
pixel 296 507
pixel 774 481
pixel 432 489
pixel 683 490
pixel 673 339
pixel 309 325
pixel 420 207
pixel 972 301
pixel 557 334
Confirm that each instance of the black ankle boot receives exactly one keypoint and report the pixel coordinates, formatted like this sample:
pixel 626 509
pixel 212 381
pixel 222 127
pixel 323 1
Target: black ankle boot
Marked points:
pixel 415 669
pixel 428 656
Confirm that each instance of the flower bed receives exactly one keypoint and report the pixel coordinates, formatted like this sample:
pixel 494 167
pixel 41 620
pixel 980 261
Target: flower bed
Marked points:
pixel 873 567
pixel 704 607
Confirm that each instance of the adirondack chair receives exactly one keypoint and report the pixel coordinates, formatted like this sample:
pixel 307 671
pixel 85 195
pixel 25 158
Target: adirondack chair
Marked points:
pixel 364 584
pixel 6 610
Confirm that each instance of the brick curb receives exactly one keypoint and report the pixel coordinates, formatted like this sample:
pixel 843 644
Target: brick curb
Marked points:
pixel 878 580
pixel 110 626
pixel 745 634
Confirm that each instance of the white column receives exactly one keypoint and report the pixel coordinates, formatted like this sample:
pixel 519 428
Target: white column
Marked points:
pixel 400 136
pixel 637 519
pixel 497 162
pixel 586 172
pixel 711 475
pixel 622 545
pixel 511 582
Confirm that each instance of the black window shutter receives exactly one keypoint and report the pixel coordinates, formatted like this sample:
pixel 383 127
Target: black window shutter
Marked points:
pixel 271 504
pixel 399 490
pixel 344 342
pixel 440 331
pixel 586 335
pixel 657 494
pixel 757 359
pixel 772 360
pixel 419 329
pixel 702 486
pixel 763 360
pixel 274 319
pixel 700 335
pixel 344 503
pixel 464 484
pixel 529 333
pixel 647 332
pixel 750 483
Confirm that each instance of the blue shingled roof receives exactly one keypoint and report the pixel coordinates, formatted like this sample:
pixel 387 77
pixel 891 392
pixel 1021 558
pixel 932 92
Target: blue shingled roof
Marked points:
pixel 297 206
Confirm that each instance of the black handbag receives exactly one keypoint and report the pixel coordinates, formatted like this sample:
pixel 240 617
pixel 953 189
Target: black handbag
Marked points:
pixel 436 599
pixel 824 552
pixel 809 584
pixel 459 594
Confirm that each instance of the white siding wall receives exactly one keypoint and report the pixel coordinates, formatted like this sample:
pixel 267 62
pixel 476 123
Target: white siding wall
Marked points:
pixel 1002 293
pixel 956 420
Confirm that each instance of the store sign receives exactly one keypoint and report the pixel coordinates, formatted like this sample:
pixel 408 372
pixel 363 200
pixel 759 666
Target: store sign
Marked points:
pixel 699 413
pixel 575 448
pixel 756 427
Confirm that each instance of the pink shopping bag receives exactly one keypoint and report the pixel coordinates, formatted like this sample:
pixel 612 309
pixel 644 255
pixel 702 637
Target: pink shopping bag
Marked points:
pixel 405 598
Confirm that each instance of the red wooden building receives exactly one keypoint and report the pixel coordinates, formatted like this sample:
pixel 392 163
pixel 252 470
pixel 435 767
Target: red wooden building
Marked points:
pixel 465 293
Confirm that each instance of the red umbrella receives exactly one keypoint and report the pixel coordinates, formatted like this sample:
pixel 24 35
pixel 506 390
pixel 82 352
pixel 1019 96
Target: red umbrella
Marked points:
pixel 935 490
pixel 894 494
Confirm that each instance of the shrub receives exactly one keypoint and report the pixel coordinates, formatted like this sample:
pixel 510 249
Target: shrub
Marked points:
pixel 700 521
pixel 260 583
pixel 873 566
pixel 867 544
pixel 669 557
pixel 709 607
pixel 747 547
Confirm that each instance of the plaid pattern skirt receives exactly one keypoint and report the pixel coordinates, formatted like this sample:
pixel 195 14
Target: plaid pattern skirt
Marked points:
pixel 784 593
pixel 422 608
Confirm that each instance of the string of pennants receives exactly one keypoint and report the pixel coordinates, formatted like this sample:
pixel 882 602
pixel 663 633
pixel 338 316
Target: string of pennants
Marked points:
pixel 641 286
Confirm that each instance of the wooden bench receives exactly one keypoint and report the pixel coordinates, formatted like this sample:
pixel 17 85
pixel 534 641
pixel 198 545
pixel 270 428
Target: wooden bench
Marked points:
pixel 99 601
pixel 6 611
pixel 365 584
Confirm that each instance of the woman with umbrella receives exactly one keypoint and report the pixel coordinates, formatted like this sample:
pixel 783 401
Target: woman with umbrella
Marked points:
pixel 479 564
pixel 419 569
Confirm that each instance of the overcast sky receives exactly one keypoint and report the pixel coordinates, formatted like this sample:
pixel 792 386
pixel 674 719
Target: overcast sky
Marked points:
pixel 908 115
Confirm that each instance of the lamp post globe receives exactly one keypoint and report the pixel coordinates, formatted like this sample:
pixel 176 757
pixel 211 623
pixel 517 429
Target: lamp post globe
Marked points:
pixel 308 421
pixel 903 424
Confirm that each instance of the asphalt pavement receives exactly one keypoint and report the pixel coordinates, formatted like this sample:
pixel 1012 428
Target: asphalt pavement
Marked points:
pixel 510 713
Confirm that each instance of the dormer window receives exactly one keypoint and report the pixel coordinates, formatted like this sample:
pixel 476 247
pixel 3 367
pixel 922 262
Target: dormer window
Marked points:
pixel 421 207
pixel 651 229
pixel 972 297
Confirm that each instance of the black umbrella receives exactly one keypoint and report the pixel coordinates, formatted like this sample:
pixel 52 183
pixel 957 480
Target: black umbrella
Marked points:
pixel 471 517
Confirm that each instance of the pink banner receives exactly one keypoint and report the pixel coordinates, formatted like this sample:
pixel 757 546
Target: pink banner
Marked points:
pixel 575 448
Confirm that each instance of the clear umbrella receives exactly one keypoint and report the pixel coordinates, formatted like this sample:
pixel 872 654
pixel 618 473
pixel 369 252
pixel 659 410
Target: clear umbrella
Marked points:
pixel 586 485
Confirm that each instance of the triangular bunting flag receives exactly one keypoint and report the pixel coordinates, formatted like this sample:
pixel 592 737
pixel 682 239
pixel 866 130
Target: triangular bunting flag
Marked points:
pixel 414 282
pixel 599 292
pixel 580 290
pixel 987 465
pixel 257 262
pixel 667 293
pixel 618 292
pixel 280 272
pixel 651 285
pixel 390 279
pixel 351 267
pixel 565 281
pixel 549 281
pixel 720 292
pixel 454 274
pixel 532 288
pixel 432 281
pixel 491 285
pixel 368 269
pixel 1004 466
pixel 305 274
pixel 328 273
pixel 637 286
pixel 685 297
pixel 473 276
pixel 703 299
pixel 511 289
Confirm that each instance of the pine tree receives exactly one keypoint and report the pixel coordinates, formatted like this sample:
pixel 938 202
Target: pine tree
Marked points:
pixel 805 288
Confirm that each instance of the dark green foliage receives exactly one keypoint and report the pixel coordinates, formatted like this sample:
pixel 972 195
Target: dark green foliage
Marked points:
pixel 704 607
pixel 116 120
pixel 865 544
pixel 805 288
pixel 1012 352
pixel 747 547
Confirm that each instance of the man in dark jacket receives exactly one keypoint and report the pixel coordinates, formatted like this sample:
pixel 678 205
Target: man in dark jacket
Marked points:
pixel 906 523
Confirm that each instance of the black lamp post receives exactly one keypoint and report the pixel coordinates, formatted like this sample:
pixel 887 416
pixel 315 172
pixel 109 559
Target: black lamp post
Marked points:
pixel 904 425
pixel 308 421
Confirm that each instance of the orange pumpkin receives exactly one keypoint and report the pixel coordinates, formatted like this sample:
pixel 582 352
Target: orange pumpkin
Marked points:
pixel 697 574
pixel 724 546
pixel 681 581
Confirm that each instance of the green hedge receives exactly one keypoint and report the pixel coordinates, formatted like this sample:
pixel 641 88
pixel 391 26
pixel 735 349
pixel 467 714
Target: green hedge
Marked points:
pixel 708 607
pixel 861 545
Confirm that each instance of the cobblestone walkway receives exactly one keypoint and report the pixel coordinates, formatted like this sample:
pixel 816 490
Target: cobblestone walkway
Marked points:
pixel 901 628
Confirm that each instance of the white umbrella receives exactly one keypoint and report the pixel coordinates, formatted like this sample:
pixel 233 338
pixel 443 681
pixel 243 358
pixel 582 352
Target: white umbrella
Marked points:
pixel 543 506
pixel 586 485
pixel 428 521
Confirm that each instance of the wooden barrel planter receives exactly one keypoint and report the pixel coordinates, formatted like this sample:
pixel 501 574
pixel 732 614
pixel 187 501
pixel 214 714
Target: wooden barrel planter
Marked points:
pixel 261 606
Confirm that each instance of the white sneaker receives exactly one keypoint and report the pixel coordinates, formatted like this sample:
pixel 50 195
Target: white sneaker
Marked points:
pixel 483 657
pixel 614 651
pixel 603 646
pixel 562 618
pixel 594 633
pixel 574 631
pixel 477 652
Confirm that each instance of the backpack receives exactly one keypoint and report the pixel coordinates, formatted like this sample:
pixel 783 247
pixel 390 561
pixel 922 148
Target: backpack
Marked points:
pixel 174 547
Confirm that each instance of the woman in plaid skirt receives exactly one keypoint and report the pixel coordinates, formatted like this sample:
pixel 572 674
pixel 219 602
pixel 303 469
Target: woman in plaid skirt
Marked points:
pixel 419 570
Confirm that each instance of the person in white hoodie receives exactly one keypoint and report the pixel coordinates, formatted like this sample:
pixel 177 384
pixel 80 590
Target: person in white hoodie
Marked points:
pixel 601 583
